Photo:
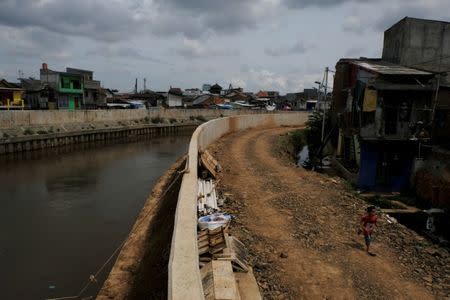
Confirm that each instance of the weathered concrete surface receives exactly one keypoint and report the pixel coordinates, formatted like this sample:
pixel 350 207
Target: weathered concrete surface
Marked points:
pixel 184 274
pixel 30 118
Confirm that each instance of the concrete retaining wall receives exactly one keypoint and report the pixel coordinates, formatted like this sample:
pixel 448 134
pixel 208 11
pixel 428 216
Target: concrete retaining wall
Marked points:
pixel 12 119
pixel 184 274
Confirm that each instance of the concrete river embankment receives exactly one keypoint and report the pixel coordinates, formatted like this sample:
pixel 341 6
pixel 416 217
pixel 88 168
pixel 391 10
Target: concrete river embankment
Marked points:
pixel 62 214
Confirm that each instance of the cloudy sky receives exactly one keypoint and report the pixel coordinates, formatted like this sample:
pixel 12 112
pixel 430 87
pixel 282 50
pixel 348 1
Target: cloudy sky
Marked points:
pixel 256 44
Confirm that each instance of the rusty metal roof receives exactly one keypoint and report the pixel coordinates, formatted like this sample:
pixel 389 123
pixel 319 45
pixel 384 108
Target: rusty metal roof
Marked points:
pixel 387 68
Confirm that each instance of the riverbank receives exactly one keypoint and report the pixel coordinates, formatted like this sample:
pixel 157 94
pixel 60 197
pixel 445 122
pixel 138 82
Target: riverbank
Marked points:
pixel 140 271
pixel 32 139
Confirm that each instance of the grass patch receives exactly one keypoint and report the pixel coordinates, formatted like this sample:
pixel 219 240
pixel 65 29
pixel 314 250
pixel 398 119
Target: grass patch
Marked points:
pixel 292 142
pixel 381 202
pixel 28 131
pixel 157 120
pixel 201 118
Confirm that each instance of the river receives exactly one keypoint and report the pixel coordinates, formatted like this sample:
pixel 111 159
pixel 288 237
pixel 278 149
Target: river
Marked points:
pixel 62 215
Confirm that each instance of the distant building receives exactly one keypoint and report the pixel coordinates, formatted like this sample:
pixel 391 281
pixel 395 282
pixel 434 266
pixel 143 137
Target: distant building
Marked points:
pixel 174 97
pixel 206 87
pixel 215 89
pixel 93 95
pixel 68 87
pixel 192 92
pixel 36 93
pixel 10 94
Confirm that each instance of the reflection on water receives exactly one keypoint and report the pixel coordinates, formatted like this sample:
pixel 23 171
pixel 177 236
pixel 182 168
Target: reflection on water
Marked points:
pixel 63 211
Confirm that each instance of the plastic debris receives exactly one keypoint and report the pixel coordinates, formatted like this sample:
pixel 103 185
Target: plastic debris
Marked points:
pixel 213 221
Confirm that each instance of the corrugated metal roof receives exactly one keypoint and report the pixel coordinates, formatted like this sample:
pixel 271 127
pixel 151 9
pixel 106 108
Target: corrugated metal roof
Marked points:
pixel 387 68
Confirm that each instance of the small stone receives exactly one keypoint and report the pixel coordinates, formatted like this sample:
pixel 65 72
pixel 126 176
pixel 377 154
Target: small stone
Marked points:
pixel 283 255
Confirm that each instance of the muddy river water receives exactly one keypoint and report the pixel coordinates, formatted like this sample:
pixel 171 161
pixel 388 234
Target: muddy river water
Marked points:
pixel 62 215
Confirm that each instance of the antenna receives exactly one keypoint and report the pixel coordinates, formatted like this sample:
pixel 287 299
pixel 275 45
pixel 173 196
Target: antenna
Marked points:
pixel 145 84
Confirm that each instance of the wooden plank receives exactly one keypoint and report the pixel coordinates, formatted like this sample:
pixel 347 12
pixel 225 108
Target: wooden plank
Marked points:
pixel 247 286
pixel 207 281
pixel 209 163
pixel 225 287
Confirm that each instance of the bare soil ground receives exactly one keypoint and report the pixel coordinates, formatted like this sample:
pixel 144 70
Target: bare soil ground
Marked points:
pixel 300 227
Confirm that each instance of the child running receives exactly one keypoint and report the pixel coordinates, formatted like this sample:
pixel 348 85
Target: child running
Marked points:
pixel 368 223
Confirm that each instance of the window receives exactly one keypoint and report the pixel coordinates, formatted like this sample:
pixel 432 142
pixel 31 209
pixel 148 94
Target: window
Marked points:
pixel 65 83
pixel 76 84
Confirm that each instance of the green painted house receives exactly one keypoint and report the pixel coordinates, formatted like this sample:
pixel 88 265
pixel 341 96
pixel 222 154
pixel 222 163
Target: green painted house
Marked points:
pixel 70 90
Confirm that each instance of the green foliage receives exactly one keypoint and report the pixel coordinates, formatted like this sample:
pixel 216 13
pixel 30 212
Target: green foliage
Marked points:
pixel 381 202
pixel 5 135
pixel 157 120
pixel 314 133
pixel 28 131
pixel 147 119
pixel 192 118
pixel 172 120
pixel 51 129
pixel 41 132
pixel 201 118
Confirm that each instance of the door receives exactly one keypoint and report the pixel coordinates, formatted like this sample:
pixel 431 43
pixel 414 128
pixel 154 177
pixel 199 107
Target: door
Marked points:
pixel 71 103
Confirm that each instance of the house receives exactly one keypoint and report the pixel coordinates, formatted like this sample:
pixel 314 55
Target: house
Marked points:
pixel 11 95
pixel 36 93
pixel 68 87
pixel 206 87
pixel 215 89
pixel 174 97
pixel 296 101
pixel 194 92
pixel 424 44
pixel 93 95
pixel 206 101
pixel 381 109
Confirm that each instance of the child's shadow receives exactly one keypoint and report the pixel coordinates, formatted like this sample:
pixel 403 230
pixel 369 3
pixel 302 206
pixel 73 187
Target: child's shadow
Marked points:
pixel 355 245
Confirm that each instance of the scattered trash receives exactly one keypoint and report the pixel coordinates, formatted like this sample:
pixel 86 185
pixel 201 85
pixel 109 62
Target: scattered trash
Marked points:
pixel 213 221
pixel 207 197
pixel 390 220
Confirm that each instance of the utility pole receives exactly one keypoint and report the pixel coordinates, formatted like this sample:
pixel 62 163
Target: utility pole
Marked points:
pixel 145 84
pixel 324 99
pixel 135 86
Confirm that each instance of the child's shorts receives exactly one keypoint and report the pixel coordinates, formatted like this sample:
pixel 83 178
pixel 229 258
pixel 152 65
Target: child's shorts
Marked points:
pixel 368 239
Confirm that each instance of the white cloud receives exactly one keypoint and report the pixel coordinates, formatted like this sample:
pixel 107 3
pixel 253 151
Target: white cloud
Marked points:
pixel 192 48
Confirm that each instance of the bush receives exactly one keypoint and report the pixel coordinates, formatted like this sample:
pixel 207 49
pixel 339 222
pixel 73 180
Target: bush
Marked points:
pixel 192 118
pixel 5 135
pixel 201 119
pixel 172 120
pixel 41 132
pixel 157 120
pixel 28 131
pixel 147 119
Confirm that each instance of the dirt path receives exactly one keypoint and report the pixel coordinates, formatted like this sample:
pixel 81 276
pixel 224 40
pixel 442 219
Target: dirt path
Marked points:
pixel 311 218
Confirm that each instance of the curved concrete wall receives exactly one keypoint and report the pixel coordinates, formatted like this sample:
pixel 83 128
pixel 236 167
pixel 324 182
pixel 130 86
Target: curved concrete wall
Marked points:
pixel 184 274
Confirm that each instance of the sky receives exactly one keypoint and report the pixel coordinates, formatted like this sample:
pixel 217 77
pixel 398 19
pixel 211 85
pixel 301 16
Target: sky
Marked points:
pixel 281 45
